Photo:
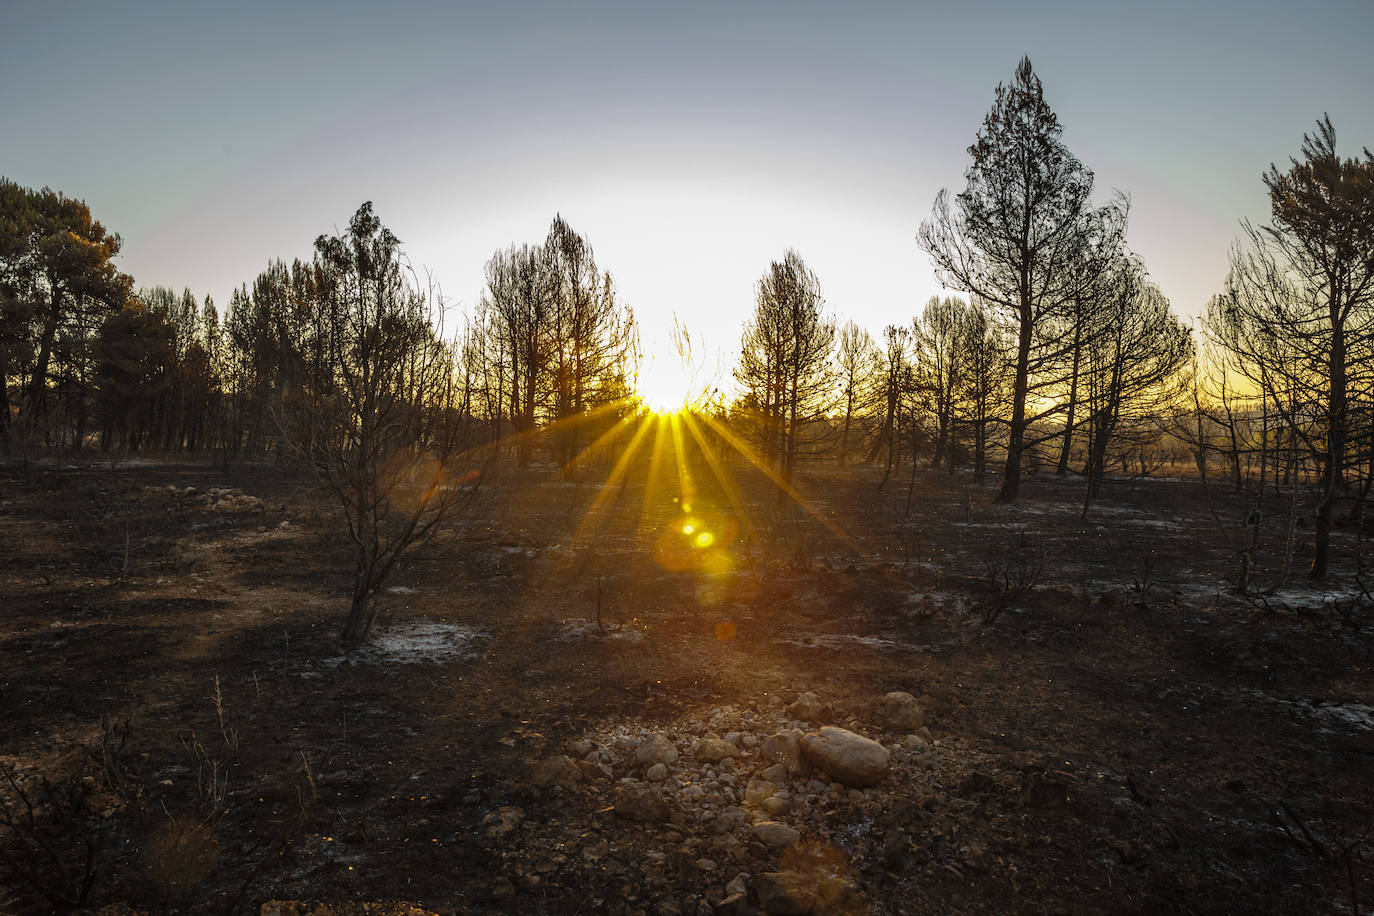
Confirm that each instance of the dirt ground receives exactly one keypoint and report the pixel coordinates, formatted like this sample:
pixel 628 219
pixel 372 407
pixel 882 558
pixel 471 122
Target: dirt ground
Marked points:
pixel 1108 728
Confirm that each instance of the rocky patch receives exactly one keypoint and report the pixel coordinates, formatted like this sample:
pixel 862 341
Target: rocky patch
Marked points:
pixel 734 809
pixel 849 758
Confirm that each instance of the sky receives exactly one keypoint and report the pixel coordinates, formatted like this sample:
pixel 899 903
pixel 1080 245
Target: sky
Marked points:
pixel 690 143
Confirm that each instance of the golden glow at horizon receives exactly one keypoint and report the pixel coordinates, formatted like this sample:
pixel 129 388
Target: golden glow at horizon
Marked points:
pixel 666 386
pixel 698 537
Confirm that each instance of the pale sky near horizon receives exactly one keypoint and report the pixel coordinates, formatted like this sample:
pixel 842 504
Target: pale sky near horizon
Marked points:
pixel 690 143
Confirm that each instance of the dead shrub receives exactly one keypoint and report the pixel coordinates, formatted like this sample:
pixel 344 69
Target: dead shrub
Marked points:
pixel 58 833
pixel 1009 577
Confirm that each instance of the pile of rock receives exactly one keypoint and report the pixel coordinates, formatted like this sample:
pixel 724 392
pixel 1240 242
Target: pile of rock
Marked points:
pixel 748 792
pixel 219 499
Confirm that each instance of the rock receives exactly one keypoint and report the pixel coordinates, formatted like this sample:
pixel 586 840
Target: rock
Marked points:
pixel 502 822
pixel 734 905
pixel 776 773
pixel 785 892
pixel 593 771
pixel 757 790
pixel 899 711
pixel 638 802
pixel 728 846
pixel 656 773
pixel 559 771
pixel 776 806
pixel 849 758
pixel 837 897
pixel 707 865
pixel 785 748
pixel 915 743
pixel 712 750
pixel 809 708
pixel 722 715
pixel 655 749
pixel 729 820
pixel 776 836
pixel 738 885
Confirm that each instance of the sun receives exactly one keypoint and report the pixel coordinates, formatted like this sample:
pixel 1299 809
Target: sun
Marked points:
pixel 665 386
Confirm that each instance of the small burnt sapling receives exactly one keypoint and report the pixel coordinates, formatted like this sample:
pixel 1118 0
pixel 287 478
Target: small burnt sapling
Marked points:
pixel 377 419
pixel 1010 576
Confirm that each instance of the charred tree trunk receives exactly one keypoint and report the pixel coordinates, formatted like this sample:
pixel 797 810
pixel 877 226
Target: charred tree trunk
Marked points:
pixel 1334 457
pixel 1011 478
pixel 1064 450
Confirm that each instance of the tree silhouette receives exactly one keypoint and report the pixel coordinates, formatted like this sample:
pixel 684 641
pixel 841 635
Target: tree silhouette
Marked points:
pixel 135 355
pixel 857 359
pixel 784 365
pixel 55 260
pixel 560 342
pixel 376 421
pixel 1133 370
pixel 941 350
pixel 893 379
pixel 592 336
pixel 1019 237
pixel 1299 303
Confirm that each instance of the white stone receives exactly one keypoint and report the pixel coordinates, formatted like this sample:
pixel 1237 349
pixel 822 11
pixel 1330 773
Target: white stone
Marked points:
pixel 850 759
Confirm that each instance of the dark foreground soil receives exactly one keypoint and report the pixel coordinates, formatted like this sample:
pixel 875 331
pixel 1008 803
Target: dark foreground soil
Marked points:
pixel 1126 734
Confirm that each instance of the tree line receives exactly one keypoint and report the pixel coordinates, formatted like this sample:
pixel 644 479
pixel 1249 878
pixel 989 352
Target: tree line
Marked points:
pixel 1058 352
pixel 1062 351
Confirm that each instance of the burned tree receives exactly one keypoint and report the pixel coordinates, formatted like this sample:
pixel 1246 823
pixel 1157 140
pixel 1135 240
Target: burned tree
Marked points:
pixel 856 362
pixel 784 365
pixel 892 380
pixel 377 423
pixel 592 338
pixel 560 342
pixel 939 335
pixel 1304 286
pixel 1019 235
pixel 960 376
pixel 1133 371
